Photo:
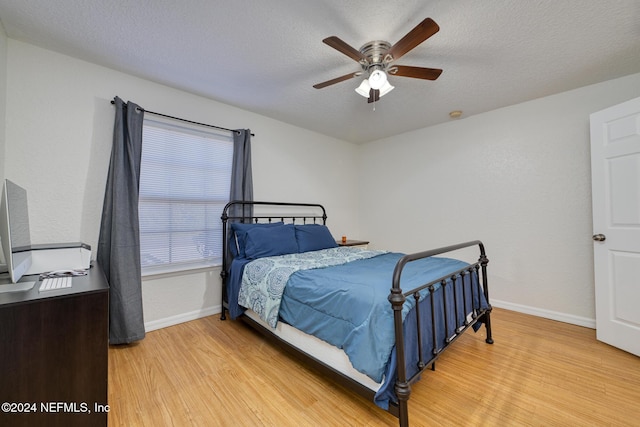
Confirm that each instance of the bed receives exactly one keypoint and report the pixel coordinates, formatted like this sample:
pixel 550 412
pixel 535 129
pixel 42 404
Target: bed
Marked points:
pixel 372 320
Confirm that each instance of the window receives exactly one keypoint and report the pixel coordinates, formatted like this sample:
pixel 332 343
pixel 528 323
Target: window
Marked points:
pixel 184 184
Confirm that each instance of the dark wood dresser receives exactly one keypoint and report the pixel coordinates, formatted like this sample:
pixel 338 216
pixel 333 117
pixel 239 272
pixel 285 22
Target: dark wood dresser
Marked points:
pixel 54 354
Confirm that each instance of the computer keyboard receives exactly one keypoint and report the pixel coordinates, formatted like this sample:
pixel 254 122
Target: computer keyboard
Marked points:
pixel 55 283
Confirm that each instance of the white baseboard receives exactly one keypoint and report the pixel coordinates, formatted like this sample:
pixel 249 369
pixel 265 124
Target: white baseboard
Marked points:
pixel 547 314
pixel 181 318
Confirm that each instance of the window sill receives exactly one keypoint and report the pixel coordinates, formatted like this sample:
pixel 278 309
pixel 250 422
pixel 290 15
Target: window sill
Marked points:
pixel 174 271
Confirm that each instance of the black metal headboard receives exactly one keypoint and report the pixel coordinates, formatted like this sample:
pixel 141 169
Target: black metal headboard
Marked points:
pixel 244 211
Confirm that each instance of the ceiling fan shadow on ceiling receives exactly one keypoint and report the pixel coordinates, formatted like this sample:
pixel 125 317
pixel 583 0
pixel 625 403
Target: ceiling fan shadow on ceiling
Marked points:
pixel 377 57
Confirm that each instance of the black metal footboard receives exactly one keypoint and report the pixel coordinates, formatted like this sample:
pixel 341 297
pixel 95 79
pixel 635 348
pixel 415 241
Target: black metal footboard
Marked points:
pixel 398 297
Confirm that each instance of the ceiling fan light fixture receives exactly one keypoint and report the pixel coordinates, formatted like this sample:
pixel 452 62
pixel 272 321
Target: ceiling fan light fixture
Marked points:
pixel 377 79
pixel 364 88
pixel 386 89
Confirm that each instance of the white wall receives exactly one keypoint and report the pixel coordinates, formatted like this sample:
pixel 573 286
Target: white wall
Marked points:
pixel 520 180
pixel 517 178
pixel 59 127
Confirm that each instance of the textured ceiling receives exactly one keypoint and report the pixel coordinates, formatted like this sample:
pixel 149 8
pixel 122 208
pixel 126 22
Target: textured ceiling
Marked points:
pixel 265 56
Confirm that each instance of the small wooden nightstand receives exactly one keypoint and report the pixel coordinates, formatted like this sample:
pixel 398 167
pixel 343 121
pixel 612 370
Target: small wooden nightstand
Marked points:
pixel 357 243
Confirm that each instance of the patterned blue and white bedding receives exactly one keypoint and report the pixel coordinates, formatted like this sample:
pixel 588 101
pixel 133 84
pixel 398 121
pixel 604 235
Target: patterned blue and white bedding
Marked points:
pixel 340 296
pixel 264 279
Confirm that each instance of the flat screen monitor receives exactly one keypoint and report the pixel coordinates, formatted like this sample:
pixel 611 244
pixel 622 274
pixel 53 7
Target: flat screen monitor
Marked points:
pixel 15 234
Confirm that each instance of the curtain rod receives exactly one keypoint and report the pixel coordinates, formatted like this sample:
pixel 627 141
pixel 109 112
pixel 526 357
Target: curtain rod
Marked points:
pixel 185 120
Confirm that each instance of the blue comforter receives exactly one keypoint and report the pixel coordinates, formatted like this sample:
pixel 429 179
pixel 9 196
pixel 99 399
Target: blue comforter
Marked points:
pixel 346 305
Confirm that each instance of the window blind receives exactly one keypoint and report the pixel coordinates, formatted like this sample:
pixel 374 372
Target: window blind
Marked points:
pixel 184 185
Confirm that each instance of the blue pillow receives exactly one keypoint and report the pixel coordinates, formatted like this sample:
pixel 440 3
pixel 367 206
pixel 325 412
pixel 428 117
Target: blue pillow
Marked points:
pixel 270 241
pixel 238 236
pixel 313 237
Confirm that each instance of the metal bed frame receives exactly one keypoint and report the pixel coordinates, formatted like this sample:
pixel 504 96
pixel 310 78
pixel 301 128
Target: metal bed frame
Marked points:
pixel 397 298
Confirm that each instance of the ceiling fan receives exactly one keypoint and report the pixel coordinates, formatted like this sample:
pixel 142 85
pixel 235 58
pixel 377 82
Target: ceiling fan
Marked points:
pixel 376 59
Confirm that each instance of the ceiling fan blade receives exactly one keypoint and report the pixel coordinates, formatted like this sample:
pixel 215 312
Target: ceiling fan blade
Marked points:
pixel 415 72
pixel 374 95
pixel 420 33
pixel 337 80
pixel 342 47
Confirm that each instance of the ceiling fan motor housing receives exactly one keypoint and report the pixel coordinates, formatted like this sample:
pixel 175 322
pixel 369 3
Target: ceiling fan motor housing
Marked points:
pixel 376 54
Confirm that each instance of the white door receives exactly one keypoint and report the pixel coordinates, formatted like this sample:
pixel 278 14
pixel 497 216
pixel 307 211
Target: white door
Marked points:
pixel 615 170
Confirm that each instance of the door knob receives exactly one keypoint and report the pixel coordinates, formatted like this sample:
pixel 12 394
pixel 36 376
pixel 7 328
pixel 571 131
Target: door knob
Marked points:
pixel 599 237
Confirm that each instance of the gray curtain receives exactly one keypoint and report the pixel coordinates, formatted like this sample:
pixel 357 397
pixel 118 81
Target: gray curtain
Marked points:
pixel 119 240
pixel 241 177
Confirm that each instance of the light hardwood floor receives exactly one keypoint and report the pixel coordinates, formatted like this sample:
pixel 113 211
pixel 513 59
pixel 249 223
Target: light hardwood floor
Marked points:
pixel 221 373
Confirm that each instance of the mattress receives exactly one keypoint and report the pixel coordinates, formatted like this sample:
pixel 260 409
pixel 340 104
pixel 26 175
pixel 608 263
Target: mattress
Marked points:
pixel 317 348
